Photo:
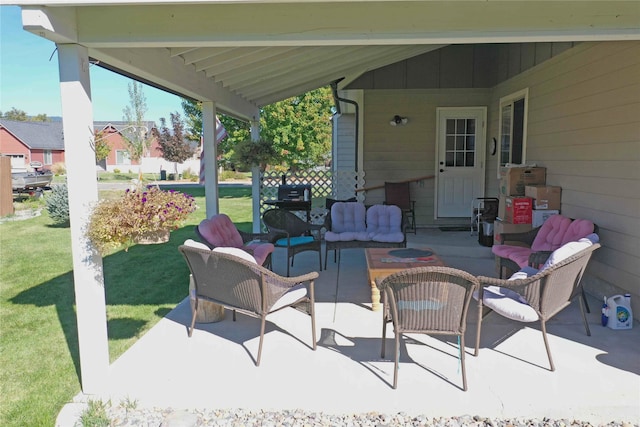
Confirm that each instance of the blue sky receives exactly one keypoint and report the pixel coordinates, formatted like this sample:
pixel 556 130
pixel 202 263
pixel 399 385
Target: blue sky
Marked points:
pixel 29 80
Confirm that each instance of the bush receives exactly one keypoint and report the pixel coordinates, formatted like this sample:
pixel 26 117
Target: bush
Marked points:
pixel 59 168
pixel 229 175
pixel 58 204
pixel 116 170
pixel 187 174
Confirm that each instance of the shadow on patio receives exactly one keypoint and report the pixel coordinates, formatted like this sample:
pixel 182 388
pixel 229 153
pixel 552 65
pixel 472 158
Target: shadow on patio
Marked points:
pixel 596 378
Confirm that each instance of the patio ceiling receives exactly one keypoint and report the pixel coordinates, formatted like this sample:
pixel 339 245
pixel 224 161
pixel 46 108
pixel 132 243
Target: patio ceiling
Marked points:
pixel 246 54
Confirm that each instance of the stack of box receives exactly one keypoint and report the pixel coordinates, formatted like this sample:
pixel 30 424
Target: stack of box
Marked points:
pixel 515 210
pixel 546 202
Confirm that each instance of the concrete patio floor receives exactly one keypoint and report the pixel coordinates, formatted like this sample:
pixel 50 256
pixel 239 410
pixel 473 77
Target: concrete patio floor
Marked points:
pixel 597 378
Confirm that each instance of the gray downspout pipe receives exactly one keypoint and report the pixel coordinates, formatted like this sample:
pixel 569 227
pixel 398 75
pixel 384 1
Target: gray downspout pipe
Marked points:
pixel 338 99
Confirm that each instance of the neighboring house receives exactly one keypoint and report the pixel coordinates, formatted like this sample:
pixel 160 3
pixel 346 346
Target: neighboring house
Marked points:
pixel 27 142
pixel 119 157
pixel 152 161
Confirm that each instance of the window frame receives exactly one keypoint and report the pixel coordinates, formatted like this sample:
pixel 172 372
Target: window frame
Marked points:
pixel 509 101
pixel 124 155
pixel 47 157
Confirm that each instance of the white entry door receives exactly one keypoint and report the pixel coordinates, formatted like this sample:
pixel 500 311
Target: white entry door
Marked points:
pixel 460 160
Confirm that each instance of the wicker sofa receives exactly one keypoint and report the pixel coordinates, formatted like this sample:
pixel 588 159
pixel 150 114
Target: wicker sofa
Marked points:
pixel 352 225
pixel 532 248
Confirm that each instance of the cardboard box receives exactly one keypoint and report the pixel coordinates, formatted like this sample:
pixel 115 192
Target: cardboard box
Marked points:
pixel 500 227
pixel 545 196
pixel 541 215
pixel 513 180
pixel 518 210
pixel 502 201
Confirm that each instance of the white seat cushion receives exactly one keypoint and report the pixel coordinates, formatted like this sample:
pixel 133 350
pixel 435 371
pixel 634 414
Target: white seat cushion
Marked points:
pixel 236 252
pixel 509 304
pixel 193 244
pixel 569 249
pixel 293 295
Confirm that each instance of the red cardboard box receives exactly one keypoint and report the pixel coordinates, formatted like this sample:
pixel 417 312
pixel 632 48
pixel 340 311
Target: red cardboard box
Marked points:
pixel 513 180
pixel 545 196
pixel 518 210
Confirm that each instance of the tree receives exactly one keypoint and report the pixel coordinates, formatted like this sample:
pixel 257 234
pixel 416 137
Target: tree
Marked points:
pixel 15 114
pixel 101 145
pixel 299 127
pixel 21 116
pixel 173 145
pixel 135 133
pixel 237 130
pixel 39 118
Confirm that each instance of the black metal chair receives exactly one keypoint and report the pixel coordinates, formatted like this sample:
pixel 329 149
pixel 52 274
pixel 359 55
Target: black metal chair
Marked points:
pixel 290 232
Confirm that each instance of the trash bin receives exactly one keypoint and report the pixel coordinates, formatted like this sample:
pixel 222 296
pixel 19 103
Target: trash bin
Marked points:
pixel 163 175
pixel 485 233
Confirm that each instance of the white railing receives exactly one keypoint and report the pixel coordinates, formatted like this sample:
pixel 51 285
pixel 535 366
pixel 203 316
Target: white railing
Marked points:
pixel 324 184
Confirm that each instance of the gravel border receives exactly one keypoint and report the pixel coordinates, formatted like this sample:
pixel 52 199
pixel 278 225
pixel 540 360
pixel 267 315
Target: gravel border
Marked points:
pixel 168 417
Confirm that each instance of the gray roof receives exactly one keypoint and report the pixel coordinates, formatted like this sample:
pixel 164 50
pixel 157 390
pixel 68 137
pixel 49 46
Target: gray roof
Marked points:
pixel 37 135
pixel 119 125
pixel 49 135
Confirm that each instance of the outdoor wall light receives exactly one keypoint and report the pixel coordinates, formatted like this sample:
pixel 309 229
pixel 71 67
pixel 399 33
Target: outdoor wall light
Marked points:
pixel 398 121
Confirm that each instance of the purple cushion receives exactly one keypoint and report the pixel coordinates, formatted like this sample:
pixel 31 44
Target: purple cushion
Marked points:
pixel 346 236
pixel 551 234
pixel 348 217
pixel 384 219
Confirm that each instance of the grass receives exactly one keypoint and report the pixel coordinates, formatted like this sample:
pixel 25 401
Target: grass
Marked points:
pixel 38 332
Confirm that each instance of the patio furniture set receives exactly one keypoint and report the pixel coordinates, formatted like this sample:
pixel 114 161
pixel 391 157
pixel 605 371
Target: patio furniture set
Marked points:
pixel 420 294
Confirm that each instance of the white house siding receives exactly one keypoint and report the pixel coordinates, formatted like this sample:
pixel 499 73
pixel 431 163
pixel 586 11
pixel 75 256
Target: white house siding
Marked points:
pixel 398 153
pixel 344 156
pixel 584 127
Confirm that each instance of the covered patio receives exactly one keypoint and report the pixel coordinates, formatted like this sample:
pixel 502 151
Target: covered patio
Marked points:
pixel 597 378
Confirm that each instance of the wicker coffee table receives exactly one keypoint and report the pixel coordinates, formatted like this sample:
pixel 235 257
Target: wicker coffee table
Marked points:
pixel 381 262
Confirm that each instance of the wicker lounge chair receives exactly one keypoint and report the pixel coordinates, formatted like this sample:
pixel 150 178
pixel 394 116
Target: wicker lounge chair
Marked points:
pixel 429 300
pixel 540 296
pixel 247 287
pixel 219 231
pixel 533 247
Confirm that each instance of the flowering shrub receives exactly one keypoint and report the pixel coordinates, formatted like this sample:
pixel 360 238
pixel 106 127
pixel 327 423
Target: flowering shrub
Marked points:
pixel 138 212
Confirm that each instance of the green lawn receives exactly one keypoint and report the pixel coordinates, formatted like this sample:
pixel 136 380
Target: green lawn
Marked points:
pixel 38 335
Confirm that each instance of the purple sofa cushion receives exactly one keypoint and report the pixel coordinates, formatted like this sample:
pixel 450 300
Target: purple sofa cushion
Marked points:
pixel 348 216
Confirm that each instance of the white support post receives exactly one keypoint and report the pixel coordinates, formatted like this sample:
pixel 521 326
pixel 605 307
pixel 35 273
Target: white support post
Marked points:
pixel 255 179
pixel 210 158
pixel 88 278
